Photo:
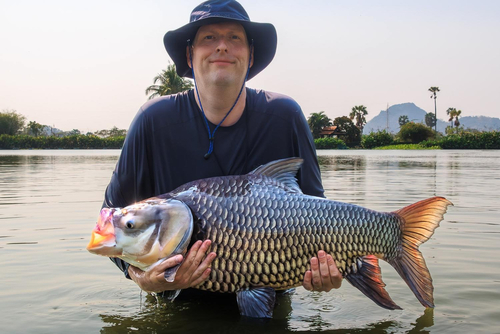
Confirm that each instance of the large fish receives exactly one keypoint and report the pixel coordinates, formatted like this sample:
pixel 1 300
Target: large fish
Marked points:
pixel 264 231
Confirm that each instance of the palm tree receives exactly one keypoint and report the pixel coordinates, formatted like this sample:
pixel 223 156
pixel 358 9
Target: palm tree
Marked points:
pixel 170 83
pixel 359 112
pixel 434 91
pixel 317 121
pixel 451 112
pixel 403 119
pixel 457 115
pixel 454 114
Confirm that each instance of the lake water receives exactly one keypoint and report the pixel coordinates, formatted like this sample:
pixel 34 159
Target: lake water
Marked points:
pixel 49 283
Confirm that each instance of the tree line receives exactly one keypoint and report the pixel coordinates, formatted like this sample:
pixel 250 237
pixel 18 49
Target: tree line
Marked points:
pixel 350 131
pixel 349 128
pixel 12 123
pixel 16 134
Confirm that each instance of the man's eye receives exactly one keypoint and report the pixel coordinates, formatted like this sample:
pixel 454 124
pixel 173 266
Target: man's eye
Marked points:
pixel 235 37
pixel 209 37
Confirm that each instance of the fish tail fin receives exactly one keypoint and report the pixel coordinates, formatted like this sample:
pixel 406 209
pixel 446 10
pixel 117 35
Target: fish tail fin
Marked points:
pixel 419 222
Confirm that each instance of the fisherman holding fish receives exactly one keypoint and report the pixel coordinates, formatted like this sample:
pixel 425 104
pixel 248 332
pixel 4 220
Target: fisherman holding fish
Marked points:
pixel 219 128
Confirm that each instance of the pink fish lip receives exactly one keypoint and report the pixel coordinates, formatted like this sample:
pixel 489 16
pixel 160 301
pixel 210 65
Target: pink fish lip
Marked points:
pixel 103 239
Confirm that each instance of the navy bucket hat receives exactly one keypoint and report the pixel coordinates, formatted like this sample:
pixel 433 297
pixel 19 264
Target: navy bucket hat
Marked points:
pixel 216 11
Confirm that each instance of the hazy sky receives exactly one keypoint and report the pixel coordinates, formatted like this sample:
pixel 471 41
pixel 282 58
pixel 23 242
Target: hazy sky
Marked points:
pixel 86 64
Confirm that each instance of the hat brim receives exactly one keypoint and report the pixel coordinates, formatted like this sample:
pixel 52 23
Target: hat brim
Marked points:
pixel 263 35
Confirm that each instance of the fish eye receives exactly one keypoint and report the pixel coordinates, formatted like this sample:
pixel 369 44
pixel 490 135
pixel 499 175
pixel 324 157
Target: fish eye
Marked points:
pixel 130 224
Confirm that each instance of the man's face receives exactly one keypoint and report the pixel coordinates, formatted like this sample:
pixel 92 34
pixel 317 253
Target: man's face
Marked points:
pixel 220 54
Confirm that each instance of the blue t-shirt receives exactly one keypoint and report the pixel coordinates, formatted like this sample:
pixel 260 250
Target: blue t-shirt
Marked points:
pixel 168 139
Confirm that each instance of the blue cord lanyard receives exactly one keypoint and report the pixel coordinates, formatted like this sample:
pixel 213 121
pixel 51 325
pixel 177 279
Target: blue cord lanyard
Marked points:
pixel 211 135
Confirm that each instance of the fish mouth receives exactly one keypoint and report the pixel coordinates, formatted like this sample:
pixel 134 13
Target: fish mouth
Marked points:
pixel 103 240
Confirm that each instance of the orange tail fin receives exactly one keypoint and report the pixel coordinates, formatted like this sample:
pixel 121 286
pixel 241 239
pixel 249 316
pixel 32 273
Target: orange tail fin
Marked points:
pixel 419 222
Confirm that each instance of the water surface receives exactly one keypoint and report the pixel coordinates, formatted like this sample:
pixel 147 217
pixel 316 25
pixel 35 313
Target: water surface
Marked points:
pixel 49 201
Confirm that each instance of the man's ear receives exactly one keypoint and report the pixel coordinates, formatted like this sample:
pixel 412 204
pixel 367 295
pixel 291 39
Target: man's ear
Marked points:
pixel 251 52
pixel 188 58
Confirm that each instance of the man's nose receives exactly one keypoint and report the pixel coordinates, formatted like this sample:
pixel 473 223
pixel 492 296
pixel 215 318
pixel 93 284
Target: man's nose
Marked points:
pixel 222 46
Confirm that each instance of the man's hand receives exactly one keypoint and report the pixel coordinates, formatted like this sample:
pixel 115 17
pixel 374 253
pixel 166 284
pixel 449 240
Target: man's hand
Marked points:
pixel 324 274
pixel 193 271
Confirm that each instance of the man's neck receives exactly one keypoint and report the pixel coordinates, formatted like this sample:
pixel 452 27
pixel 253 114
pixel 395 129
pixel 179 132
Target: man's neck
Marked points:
pixel 217 101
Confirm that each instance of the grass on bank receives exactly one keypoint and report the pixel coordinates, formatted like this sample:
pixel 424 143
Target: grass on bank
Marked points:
pixel 407 147
pixel 9 142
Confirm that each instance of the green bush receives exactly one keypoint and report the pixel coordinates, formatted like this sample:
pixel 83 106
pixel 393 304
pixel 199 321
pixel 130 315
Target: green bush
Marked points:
pixel 329 143
pixel 377 139
pixel 483 140
pixel 415 133
pixel 467 140
pixel 52 142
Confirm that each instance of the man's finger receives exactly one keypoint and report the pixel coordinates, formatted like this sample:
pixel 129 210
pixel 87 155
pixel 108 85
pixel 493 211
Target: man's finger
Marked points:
pixel 200 270
pixel 186 266
pixel 200 254
pixel 192 252
pixel 202 278
pixel 193 259
pixel 335 275
pixel 323 266
pixel 168 263
pixel 316 276
pixel 307 281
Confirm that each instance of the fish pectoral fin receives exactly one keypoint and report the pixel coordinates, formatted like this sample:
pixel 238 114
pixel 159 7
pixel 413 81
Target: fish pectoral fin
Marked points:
pixel 368 279
pixel 171 294
pixel 256 302
pixel 170 273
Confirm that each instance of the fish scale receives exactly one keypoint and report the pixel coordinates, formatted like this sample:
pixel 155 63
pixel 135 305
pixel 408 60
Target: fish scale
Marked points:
pixel 261 238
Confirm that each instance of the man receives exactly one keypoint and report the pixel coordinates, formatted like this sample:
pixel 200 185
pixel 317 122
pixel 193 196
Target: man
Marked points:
pixel 219 128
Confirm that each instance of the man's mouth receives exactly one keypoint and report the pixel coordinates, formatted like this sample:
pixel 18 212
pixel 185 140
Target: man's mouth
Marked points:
pixel 221 62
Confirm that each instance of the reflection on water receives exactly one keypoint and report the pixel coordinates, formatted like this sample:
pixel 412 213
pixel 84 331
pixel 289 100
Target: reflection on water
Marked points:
pixel 328 162
pixel 49 201
pixel 219 316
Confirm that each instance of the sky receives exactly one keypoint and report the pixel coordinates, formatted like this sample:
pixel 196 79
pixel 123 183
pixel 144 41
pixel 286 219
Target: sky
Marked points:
pixel 86 64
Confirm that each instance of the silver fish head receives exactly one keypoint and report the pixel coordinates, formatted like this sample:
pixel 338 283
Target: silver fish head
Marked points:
pixel 143 233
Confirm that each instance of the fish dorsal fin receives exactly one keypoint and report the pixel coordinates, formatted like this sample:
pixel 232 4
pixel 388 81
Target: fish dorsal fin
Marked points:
pixel 284 171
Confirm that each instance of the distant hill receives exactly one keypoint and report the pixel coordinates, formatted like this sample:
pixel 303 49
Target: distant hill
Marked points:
pixel 416 114
pixel 482 123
